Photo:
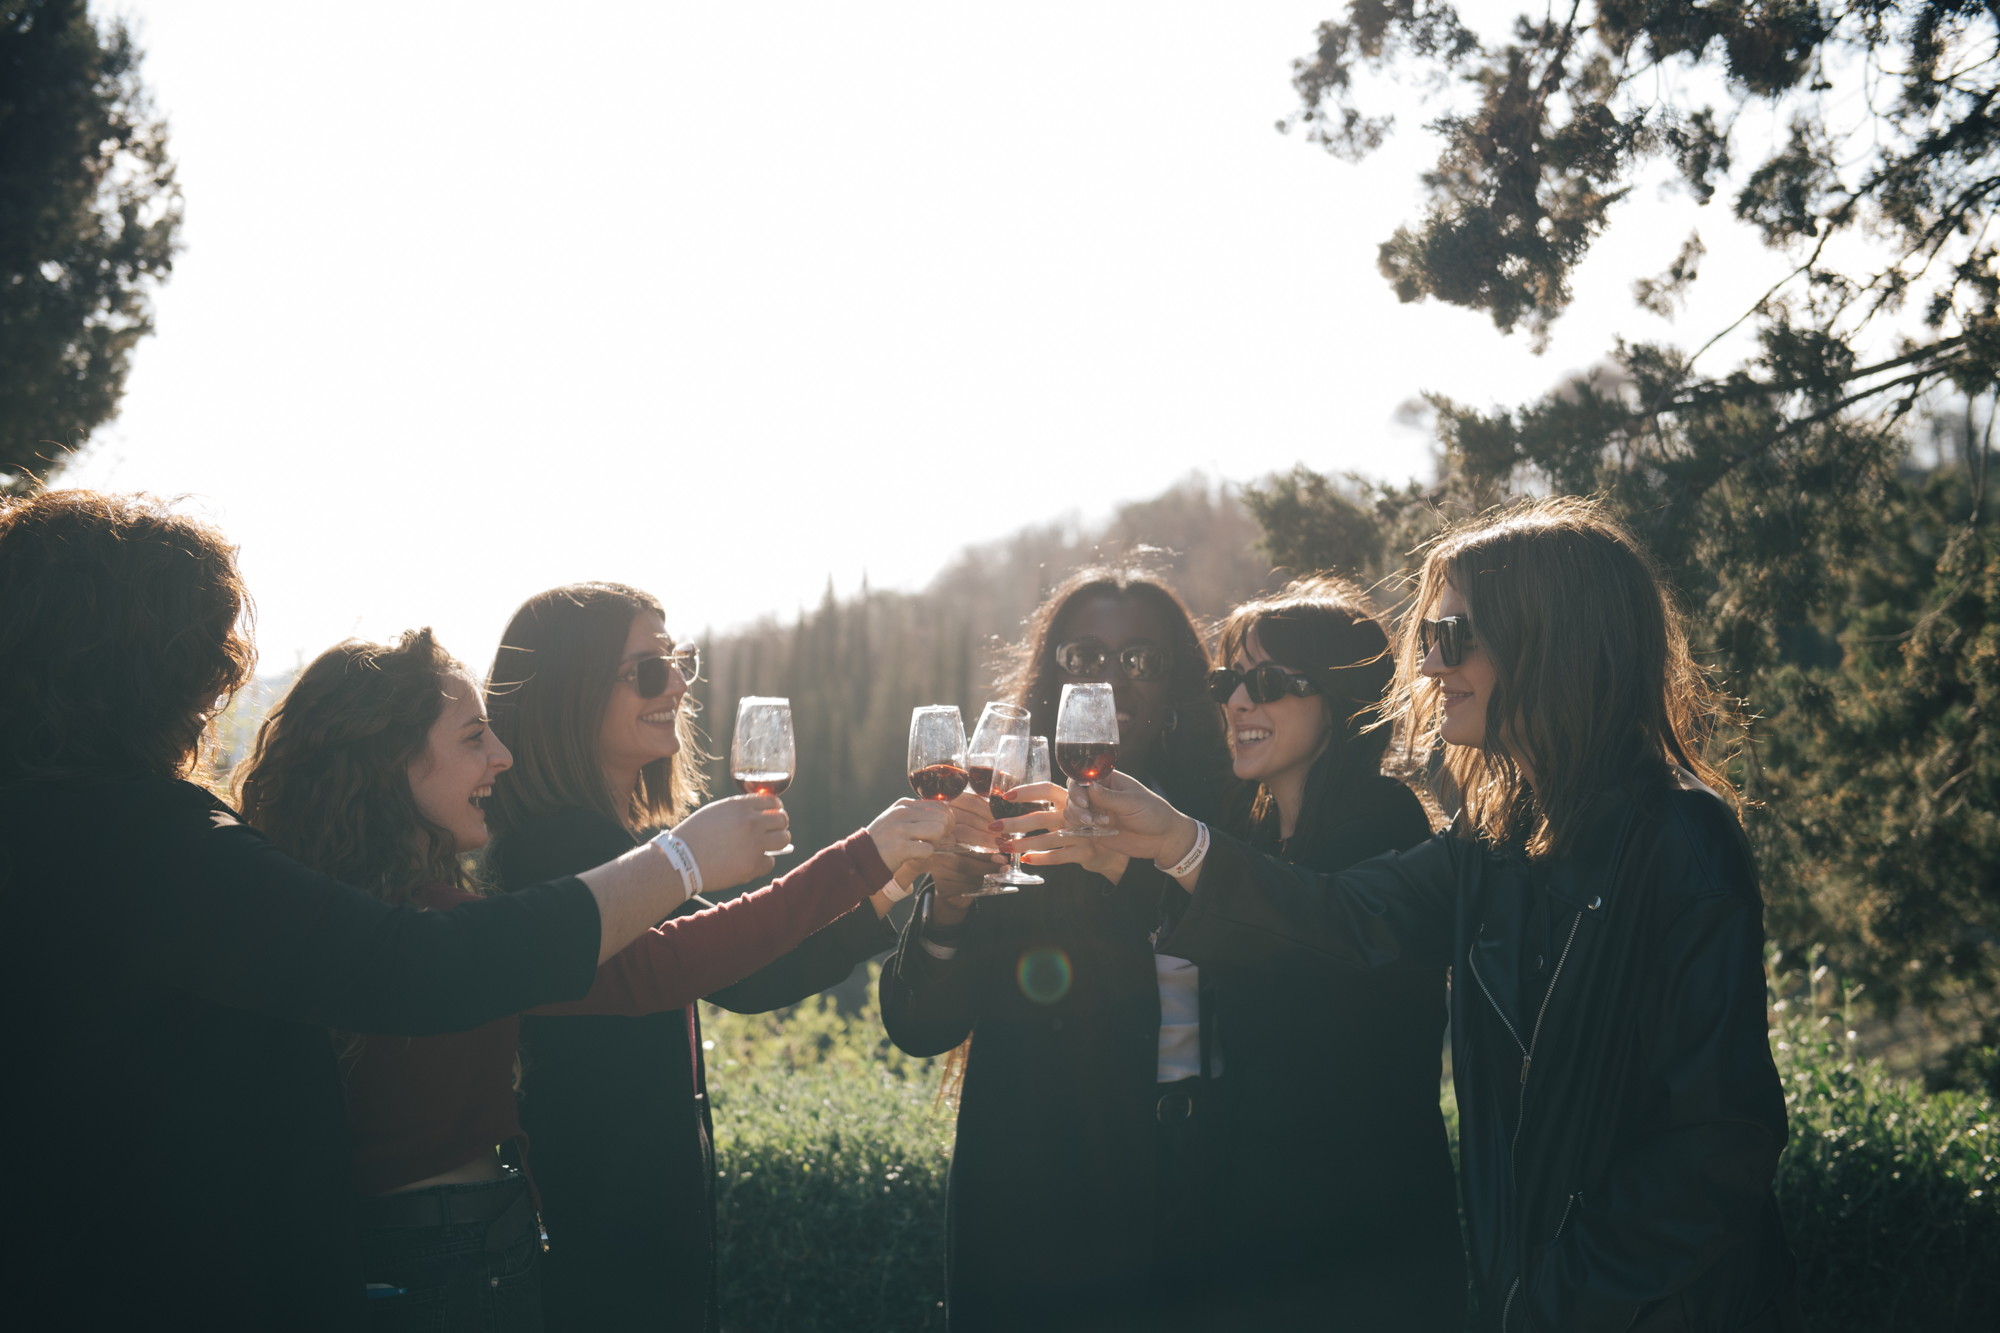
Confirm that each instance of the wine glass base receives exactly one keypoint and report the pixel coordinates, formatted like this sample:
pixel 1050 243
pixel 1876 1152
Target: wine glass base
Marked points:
pixel 1090 831
pixel 1009 882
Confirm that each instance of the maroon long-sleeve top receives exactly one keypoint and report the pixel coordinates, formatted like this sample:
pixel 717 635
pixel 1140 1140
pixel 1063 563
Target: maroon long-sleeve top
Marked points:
pixel 420 1106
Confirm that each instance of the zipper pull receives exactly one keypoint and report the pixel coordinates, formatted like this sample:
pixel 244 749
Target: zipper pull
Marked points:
pixel 1526 1060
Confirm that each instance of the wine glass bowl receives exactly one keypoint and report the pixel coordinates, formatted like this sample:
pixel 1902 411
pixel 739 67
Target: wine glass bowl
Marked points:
pixel 998 723
pixel 763 757
pixel 1019 762
pixel 937 752
pixel 1087 742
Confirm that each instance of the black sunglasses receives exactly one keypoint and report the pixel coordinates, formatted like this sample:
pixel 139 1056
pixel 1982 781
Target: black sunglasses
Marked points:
pixel 1266 684
pixel 1139 661
pixel 649 674
pixel 1450 635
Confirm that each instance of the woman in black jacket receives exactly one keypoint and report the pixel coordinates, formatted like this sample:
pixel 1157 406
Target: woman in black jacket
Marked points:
pixel 180 1152
pixel 1620 1114
pixel 586 692
pixel 1143 1143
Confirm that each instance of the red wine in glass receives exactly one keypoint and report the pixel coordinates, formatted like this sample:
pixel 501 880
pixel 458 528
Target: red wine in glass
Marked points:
pixel 980 777
pixel 762 784
pixel 1087 761
pixel 938 782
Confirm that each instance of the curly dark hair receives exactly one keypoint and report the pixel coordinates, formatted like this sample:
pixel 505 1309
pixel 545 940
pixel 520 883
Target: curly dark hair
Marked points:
pixel 1193 767
pixel 124 630
pixel 329 779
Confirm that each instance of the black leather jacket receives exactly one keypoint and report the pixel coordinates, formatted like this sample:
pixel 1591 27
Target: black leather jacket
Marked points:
pixel 1620 1117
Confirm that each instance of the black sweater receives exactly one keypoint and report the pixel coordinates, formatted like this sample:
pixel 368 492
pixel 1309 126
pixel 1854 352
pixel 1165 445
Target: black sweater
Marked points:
pixel 179 1152
pixel 617 1116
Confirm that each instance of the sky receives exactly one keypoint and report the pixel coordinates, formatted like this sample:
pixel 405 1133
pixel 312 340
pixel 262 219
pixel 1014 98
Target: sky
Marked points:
pixel 728 301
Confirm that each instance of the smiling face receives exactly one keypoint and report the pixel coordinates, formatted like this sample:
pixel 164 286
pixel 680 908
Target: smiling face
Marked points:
pixel 1143 705
pixel 1467 686
pixel 458 765
pixel 1275 743
pixel 637 731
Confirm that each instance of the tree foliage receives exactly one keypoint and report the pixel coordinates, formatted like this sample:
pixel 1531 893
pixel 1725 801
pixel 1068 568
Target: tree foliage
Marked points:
pixel 1843 593
pixel 89 220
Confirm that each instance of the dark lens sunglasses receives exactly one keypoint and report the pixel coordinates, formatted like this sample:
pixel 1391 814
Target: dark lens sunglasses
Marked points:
pixel 649 674
pixel 1139 661
pixel 1450 635
pixel 1266 684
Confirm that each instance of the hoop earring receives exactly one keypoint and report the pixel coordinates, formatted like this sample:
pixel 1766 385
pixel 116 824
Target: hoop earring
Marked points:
pixel 1173 720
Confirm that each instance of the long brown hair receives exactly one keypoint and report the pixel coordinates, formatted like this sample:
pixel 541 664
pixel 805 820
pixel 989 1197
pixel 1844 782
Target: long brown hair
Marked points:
pixel 1595 682
pixel 1329 630
pixel 328 781
pixel 551 680
pixel 124 630
pixel 1194 761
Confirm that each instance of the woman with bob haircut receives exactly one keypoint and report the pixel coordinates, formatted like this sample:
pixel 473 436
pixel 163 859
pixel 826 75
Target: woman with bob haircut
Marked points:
pixel 181 1089
pixel 586 692
pixel 1620 1117
pixel 1336 1206
pixel 372 768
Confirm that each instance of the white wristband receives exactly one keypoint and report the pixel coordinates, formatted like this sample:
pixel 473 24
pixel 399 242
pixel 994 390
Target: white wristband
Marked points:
pixel 1188 864
pixel 683 860
pixel 893 891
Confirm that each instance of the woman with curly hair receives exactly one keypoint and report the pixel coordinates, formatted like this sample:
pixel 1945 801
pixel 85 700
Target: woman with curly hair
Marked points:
pixel 1087 1111
pixel 169 1074
pixel 1620 1117
pixel 374 766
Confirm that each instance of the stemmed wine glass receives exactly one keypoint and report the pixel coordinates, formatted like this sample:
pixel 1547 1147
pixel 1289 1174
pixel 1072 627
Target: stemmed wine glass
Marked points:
pixel 762 758
pixel 937 752
pixel 1020 760
pixel 996 722
pixel 1087 743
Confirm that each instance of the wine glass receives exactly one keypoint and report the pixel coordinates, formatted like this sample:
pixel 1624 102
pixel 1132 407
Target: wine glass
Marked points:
pixel 1019 761
pixel 762 757
pixel 937 752
pixel 996 722
pixel 1087 742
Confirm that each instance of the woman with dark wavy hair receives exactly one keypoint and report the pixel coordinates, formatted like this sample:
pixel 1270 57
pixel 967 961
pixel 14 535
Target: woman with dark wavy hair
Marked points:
pixel 374 766
pixel 1089 1140
pixel 587 690
pixel 181 1087
pixel 1620 1118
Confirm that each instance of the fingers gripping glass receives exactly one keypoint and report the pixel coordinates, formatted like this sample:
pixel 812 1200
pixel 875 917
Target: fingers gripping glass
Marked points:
pixel 1139 661
pixel 1019 761
pixel 1450 635
pixel 1266 684
pixel 649 674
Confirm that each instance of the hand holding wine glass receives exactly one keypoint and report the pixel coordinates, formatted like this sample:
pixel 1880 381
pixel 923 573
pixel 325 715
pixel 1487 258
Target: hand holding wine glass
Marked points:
pixel 762 757
pixel 1087 748
pixel 1019 762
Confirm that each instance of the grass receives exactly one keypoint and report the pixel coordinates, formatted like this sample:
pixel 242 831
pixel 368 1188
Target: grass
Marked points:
pixel 832 1153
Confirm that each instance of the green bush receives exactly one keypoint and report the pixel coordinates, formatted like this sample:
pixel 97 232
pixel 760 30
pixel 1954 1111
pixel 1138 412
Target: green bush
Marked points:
pixel 832 1153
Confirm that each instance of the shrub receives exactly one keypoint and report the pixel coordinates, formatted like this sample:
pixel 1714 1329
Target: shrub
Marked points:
pixel 832 1154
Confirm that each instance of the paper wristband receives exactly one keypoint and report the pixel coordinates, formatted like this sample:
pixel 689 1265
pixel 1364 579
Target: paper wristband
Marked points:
pixel 1187 864
pixel 683 860
pixel 893 891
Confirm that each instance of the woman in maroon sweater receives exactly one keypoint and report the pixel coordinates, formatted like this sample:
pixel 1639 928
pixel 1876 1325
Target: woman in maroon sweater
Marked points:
pixel 373 767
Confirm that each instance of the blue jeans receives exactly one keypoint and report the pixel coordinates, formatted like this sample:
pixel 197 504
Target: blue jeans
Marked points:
pixel 456 1278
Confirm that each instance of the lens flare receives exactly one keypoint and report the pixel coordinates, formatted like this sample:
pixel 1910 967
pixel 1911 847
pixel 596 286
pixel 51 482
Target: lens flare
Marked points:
pixel 1044 975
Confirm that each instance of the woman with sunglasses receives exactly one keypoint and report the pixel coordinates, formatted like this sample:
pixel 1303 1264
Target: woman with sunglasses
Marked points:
pixel 1620 1118
pixel 586 692
pixel 1085 1115
pixel 1337 1209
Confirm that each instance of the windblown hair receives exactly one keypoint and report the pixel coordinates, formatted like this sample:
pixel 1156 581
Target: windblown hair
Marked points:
pixel 1327 629
pixel 1595 683
pixel 1193 767
pixel 123 632
pixel 551 681
pixel 328 781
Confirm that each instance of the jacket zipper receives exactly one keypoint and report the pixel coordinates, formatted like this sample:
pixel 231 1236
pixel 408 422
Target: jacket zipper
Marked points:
pixel 1527 1062
pixel 1508 1309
